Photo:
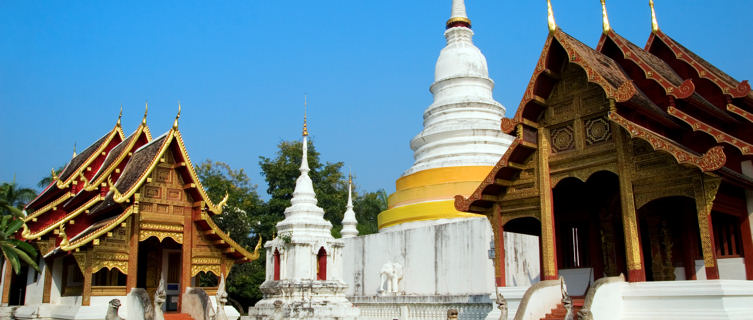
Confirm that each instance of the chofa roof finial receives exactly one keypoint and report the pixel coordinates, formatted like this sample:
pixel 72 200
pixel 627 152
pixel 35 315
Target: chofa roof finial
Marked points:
pixel 654 24
pixel 177 116
pixel 604 18
pixel 146 110
pixel 120 115
pixel 550 16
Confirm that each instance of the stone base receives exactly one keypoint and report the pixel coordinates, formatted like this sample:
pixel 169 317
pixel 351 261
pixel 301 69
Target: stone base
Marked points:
pixel 406 307
pixel 303 299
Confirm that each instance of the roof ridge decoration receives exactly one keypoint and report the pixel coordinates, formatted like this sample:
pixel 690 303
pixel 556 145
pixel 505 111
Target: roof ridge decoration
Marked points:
pixel 654 23
pixel 550 17
pixel 604 18
pixel 120 115
pixel 107 139
pixel 74 150
pixel 175 123
pixel 146 110
pixel 104 173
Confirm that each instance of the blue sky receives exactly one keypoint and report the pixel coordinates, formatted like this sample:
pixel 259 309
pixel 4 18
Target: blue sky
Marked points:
pixel 241 68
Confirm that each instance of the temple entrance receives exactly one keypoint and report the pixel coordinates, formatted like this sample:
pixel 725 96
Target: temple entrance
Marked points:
pixel 670 239
pixel 17 294
pixel 160 260
pixel 589 232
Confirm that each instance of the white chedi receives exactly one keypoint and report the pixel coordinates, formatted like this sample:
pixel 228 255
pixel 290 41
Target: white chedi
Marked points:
pixel 304 277
pixel 461 126
pixel 349 222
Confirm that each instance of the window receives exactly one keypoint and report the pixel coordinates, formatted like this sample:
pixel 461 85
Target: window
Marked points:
pixel 112 277
pixel 321 265
pixel 276 258
pixel 727 236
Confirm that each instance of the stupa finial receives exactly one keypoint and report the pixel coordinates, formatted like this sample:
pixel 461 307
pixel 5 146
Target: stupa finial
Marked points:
pixel 177 116
pixel 458 17
pixel 550 16
pixel 654 23
pixel 604 18
pixel 305 125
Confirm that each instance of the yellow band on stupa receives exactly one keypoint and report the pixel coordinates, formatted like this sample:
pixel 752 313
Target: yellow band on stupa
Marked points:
pixel 420 212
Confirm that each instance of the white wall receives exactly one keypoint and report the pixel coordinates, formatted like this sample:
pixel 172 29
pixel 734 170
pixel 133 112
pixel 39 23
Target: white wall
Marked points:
pixel 442 259
pixel 35 289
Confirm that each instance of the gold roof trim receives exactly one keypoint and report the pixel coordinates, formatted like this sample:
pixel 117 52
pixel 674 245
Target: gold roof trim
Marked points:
pixel 116 130
pixel 106 174
pixel 604 18
pixel 248 255
pixel 26 233
pixel 49 206
pixel 97 233
pixel 172 134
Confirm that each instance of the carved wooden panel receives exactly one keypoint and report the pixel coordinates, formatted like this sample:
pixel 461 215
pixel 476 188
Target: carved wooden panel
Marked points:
pixel 597 130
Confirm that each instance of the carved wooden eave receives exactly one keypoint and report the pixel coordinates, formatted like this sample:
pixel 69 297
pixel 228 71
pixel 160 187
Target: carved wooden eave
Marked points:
pixel 714 159
pixel 729 86
pixel 221 240
pixel 33 216
pixel 719 135
pixel 740 112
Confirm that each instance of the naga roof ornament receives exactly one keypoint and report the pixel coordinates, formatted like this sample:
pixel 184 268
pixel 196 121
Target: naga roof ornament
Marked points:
pixel 146 110
pixel 120 115
pixel 177 116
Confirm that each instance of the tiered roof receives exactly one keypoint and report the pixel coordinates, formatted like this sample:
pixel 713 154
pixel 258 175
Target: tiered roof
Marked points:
pixel 107 195
pixel 664 94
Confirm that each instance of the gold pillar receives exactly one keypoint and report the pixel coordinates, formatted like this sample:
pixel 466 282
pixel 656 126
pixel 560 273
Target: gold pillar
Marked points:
pixel 705 193
pixel 633 254
pixel 548 245
pixel 133 257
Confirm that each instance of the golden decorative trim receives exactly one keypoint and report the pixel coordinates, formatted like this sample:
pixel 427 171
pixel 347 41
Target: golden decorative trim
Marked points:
pixel 162 227
pixel 28 235
pixel 550 16
pixel 195 269
pixel 99 232
pixel 705 195
pixel 106 173
pixel 115 131
pixel 458 19
pixel 161 235
pixel 654 23
pixel 247 255
pixel 740 112
pixel 604 18
pixel 49 206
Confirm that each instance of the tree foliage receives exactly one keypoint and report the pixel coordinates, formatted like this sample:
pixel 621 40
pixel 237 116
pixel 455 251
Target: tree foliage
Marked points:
pixel 13 198
pixel 246 216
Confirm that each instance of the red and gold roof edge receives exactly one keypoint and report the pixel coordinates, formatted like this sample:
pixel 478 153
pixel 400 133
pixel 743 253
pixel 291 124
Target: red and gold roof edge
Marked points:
pixel 66 245
pixel 730 87
pixel 718 135
pixel 27 233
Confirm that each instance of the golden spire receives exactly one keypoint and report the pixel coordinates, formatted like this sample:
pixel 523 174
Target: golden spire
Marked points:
pixel 146 110
pixel 654 24
pixel 604 18
pixel 175 123
pixel 120 115
pixel 550 16
pixel 74 150
pixel 305 128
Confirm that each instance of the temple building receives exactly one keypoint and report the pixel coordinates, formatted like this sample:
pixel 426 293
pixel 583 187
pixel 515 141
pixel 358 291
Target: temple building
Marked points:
pixel 631 163
pixel 125 213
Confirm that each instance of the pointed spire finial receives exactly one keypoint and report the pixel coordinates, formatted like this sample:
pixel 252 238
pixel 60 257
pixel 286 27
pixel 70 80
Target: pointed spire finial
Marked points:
pixel 74 149
pixel 550 16
pixel 604 18
pixel 120 115
pixel 305 125
pixel 146 110
pixel 458 18
pixel 654 23
pixel 177 116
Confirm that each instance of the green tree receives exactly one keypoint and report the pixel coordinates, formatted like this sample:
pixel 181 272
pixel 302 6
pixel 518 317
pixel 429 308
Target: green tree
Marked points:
pixel 44 182
pixel 13 198
pixel 13 249
pixel 367 206
pixel 241 218
pixel 281 172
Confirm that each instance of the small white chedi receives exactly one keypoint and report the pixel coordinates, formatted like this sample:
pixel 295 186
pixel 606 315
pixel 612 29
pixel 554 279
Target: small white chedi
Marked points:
pixel 304 263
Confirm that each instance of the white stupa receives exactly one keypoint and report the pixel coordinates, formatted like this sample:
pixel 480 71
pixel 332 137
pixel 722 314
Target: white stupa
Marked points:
pixel 304 277
pixel 349 218
pixel 461 140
